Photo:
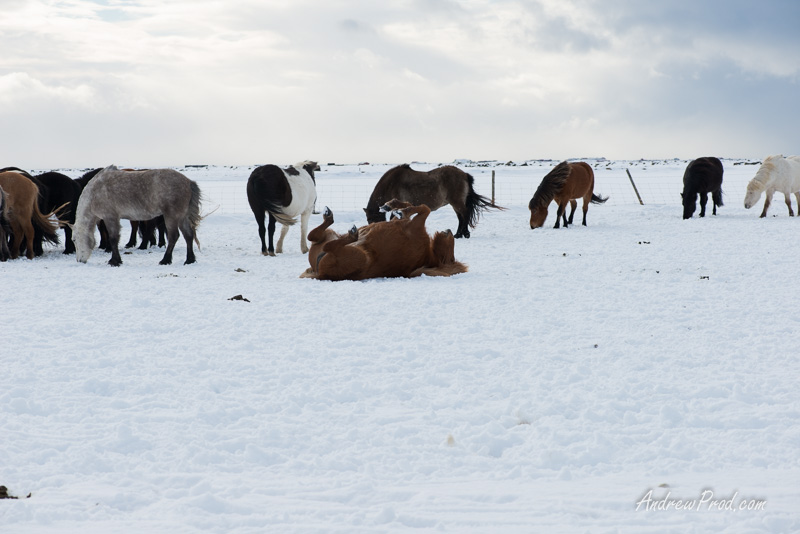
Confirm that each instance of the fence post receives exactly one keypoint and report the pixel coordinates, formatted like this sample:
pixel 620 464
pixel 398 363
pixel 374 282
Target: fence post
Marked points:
pixel 634 187
pixel 492 186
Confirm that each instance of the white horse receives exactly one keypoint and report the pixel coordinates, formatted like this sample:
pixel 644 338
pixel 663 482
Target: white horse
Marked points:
pixel 776 173
pixel 284 194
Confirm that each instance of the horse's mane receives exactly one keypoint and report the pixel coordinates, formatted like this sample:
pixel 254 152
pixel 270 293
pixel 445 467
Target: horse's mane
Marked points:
pixel 551 185
pixel 764 174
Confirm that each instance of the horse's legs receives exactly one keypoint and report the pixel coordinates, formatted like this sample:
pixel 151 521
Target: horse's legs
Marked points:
pixel 463 226
pixel 318 234
pixel 562 207
pixel 188 236
pixel 703 202
pixel 304 230
pixel 279 245
pixel 172 238
pixel 270 250
pixel 113 228
pixel 19 234
pixel 69 246
pixel 135 225
pixel 788 198
pixel 574 205
pixel 767 201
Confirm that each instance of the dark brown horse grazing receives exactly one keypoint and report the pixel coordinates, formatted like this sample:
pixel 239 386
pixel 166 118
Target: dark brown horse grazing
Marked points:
pixel 397 248
pixel 434 188
pixel 567 181
pixel 23 213
pixel 5 228
pixel 703 176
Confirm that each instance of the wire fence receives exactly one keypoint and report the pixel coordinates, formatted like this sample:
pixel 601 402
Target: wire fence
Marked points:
pixel 513 186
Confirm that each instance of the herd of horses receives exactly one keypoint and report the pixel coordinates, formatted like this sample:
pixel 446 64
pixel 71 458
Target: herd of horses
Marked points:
pixel 164 201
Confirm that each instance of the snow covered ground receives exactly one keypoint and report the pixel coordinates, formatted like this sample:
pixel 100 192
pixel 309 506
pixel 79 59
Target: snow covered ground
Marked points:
pixel 550 389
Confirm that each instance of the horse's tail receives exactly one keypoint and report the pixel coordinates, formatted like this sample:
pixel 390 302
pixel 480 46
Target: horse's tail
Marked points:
pixel 476 204
pixel 46 225
pixel 598 199
pixel 716 196
pixel 193 215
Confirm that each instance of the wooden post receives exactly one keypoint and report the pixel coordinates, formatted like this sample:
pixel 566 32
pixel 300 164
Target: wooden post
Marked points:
pixel 492 186
pixel 634 187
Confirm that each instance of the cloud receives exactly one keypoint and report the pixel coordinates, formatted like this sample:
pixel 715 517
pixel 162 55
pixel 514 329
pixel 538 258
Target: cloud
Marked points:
pixel 404 79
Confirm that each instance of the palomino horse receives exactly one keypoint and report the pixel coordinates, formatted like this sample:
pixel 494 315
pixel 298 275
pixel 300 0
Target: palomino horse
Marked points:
pixel 704 176
pixel 567 181
pixel 776 173
pixel 137 195
pixel 23 214
pixel 284 194
pixel 400 247
pixel 434 188
pixel 5 228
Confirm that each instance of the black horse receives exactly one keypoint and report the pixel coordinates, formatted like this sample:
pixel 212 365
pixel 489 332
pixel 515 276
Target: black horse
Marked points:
pixel 57 191
pixel 703 176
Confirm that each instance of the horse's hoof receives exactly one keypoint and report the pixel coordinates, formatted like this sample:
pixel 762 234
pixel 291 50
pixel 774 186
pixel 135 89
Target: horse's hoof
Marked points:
pixel 304 250
pixel 271 253
pixel 327 213
pixel 353 231
pixel 165 262
pixel 385 208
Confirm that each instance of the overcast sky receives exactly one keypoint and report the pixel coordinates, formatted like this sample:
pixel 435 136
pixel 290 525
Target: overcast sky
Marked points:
pixel 173 82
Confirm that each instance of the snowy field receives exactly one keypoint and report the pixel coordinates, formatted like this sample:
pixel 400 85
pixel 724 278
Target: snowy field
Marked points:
pixel 594 379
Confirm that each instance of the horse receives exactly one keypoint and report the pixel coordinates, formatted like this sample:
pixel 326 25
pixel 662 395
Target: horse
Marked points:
pixel 5 228
pixel 137 195
pixel 435 188
pixel 58 192
pixel 284 194
pixel 703 176
pixel 23 214
pixel 322 233
pixel 400 247
pixel 776 173
pixel 567 181
pixel 145 229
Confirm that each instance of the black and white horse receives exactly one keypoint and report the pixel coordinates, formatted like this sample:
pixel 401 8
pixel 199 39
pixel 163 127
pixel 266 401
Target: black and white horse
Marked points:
pixel 284 194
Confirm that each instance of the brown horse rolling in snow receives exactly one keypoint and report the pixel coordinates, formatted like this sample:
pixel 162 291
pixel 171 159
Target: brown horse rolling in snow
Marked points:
pixel 567 181
pixel 400 247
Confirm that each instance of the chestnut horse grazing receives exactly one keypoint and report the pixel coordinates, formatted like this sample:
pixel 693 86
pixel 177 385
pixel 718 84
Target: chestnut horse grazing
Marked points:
pixel 567 181
pixel 137 195
pixel 776 174
pixel 284 194
pixel 434 188
pixel 704 176
pixel 23 214
pixel 400 247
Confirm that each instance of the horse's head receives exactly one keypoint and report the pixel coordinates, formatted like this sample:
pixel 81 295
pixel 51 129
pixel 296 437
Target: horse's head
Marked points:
pixel 538 214
pixel 309 166
pixel 83 238
pixel 752 196
pixel 689 202
pixel 374 215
